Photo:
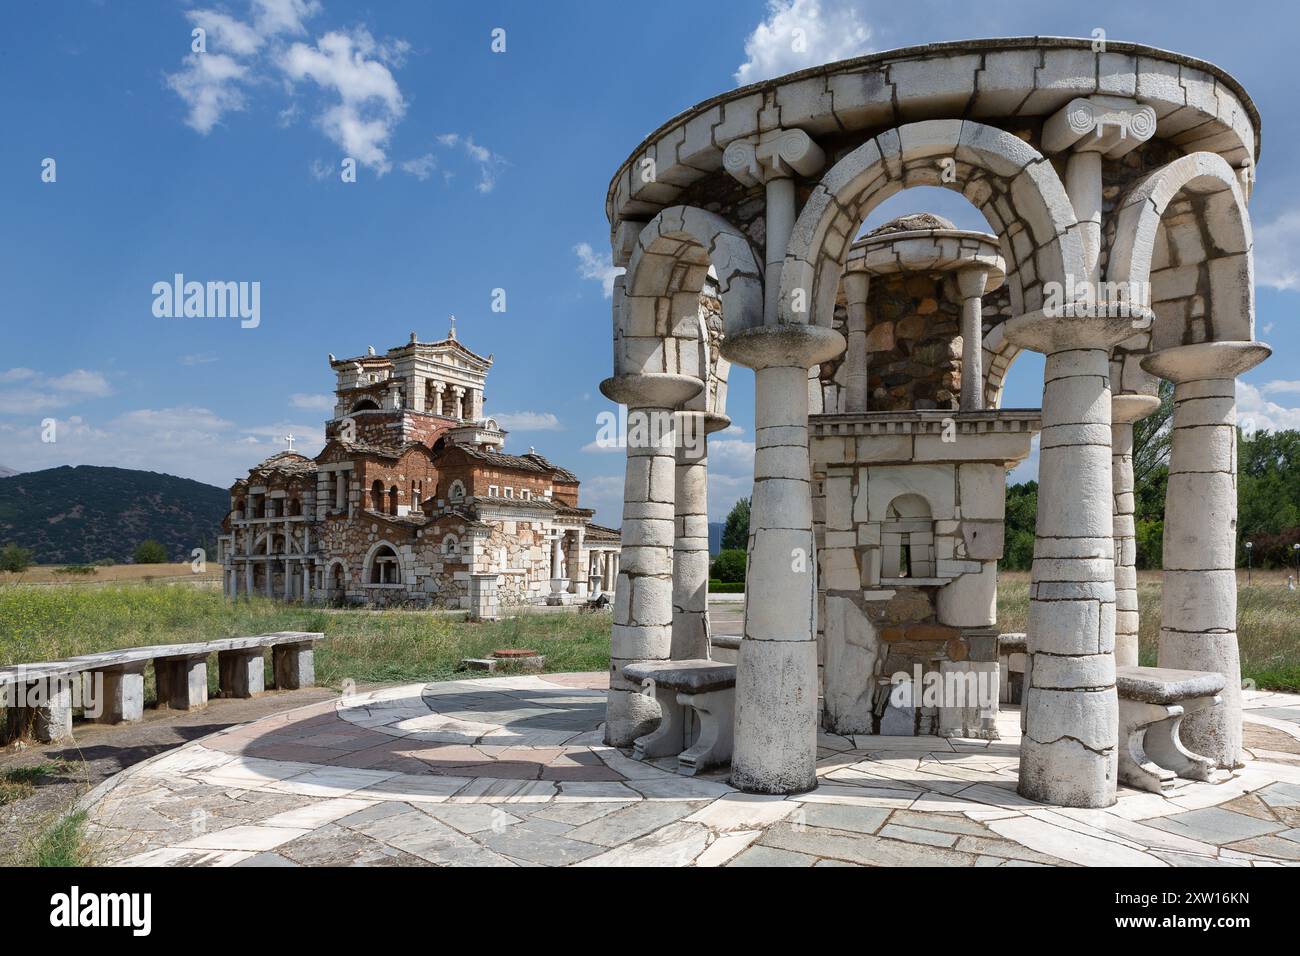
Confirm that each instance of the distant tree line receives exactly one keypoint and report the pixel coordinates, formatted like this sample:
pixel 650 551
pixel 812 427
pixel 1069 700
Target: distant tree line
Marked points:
pixel 1268 495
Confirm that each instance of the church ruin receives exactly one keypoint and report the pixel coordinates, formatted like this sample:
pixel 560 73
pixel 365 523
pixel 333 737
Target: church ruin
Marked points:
pixel 413 500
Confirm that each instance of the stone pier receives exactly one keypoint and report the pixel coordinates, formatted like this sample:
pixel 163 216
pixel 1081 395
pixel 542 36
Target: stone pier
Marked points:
pixel 1198 619
pixel 643 605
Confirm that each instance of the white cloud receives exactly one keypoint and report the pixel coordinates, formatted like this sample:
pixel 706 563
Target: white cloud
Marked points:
pixel 1257 413
pixel 189 441
pixel 209 85
pixel 352 65
pixel 801 33
pixel 1277 252
pixel 1272 388
pixel 731 455
pixel 229 35
pixel 197 359
pixel 349 64
pixel 421 167
pixel 528 421
pixel 489 164
pixel 598 267
pixel 316 402
pixel 604 494
pixel 35 393
pixel 283 16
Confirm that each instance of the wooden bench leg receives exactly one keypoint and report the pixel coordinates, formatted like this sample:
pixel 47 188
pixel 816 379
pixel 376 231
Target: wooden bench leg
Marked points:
pixel 716 711
pixel 117 693
pixel 1165 747
pixel 669 737
pixel 1136 768
pixel 182 681
pixel 43 711
pixel 242 673
pixel 294 666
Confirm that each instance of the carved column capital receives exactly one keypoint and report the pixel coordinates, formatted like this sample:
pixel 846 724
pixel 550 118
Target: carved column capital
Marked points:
pixel 775 154
pixel 1110 125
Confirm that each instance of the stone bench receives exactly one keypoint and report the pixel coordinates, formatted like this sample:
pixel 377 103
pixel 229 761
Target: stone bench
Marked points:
pixel 1012 660
pixel 706 688
pixel 40 698
pixel 725 648
pixel 1152 704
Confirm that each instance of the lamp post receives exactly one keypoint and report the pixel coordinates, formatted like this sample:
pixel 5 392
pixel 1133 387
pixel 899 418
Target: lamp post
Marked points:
pixel 1250 548
pixel 1295 549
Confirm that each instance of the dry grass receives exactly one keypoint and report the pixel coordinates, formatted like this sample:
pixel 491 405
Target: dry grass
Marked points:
pixel 111 574
pixel 1268 622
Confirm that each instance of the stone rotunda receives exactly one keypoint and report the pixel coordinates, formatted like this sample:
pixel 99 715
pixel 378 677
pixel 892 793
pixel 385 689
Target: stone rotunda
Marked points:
pixel 1114 180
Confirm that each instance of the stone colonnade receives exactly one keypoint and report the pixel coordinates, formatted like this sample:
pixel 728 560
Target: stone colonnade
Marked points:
pixel 1088 109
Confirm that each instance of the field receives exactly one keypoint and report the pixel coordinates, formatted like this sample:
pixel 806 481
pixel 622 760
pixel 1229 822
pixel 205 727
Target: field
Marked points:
pixel 112 574
pixel 1268 622
pixel 46 623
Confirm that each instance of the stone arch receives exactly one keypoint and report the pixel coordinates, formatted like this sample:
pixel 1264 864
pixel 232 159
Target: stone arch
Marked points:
pixel 393 498
pixel 1216 241
pixel 1013 185
pixel 374 557
pixel 457 491
pixel 999 354
pixel 337 576
pixel 907 538
pixel 450 546
pixel 657 326
pixel 365 405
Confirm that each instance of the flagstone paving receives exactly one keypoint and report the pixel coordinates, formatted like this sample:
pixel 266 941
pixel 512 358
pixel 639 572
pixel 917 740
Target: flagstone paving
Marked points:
pixel 511 771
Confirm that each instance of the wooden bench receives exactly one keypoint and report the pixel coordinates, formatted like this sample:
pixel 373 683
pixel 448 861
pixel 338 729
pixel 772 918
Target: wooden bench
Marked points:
pixel 109 687
pixel 706 689
pixel 1152 704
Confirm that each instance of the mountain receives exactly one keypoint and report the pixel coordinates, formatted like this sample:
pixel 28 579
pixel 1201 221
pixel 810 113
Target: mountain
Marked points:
pixel 715 536
pixel 76 515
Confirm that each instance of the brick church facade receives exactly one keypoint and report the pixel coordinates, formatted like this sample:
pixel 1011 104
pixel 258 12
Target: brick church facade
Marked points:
pixel 413 499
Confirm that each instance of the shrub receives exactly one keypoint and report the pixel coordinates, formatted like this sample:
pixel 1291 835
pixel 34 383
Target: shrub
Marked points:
pixel 14 558
pixel 729 566
pixel 150 552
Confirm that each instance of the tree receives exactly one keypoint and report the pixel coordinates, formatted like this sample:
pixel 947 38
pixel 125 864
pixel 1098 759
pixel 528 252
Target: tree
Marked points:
pixel 150 552
pixel 729 566
pixel 15 558
pixel 735 533
pixel 1021 518
pixel 1152 437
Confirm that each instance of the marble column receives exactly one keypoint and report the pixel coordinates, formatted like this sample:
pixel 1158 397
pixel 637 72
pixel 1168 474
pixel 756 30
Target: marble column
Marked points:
pixel 1070 711
pixel 776 682
pixel 458 402
pixel 691 543
pixel 857 379
pixel 1124 411
pixel 1198 607
pixel 970 285
pixel 643 604
pixel 248 579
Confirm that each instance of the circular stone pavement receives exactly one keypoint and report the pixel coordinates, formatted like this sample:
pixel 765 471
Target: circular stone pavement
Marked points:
pixel 511 771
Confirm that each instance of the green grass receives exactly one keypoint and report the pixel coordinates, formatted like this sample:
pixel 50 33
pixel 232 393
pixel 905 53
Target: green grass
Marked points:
pixel 1268 618
pixel 63 844
pixel 49 623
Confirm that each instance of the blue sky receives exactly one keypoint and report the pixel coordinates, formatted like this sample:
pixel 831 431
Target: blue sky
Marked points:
pixel 477 171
